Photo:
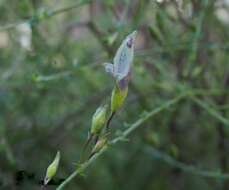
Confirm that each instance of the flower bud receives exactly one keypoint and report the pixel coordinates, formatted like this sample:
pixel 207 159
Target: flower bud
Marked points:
pixel 99 119
pixel 99 145
pixel 51 170
pixel 123 58
pixel 118 97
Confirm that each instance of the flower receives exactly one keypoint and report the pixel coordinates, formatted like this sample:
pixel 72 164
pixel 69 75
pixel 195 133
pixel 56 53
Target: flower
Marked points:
pixel 120 69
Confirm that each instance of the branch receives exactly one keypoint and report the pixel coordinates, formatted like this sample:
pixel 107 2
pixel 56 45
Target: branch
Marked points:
pixel 127 132
pixel 48 14
pixel 184 167
pixel 80 169
pixel 131 129
pixel 66 9
pixel 211 111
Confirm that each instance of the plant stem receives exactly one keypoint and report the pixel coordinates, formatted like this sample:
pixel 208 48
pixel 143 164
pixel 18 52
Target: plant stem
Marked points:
pixel 109 120
pixel 80 169
pixel 132 128
pixel 211 111
pixel 65 9
pixel 185 167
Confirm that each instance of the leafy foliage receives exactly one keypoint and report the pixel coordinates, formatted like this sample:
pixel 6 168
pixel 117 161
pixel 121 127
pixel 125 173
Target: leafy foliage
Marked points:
pixel 52 80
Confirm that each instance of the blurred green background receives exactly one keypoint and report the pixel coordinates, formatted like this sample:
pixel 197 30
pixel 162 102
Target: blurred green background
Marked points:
pixel 52 80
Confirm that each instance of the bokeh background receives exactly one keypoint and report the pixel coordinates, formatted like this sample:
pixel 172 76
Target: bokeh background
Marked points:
pixel 52 80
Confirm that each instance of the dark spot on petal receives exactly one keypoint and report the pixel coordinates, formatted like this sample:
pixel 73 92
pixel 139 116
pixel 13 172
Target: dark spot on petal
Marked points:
pixel 129 43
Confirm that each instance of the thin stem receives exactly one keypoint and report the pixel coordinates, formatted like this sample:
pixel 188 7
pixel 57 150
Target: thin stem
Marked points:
pixel 80 169
pixel 211 111
pixel 109 120
pixel 50 14
pixel 184 167
pixel 148 116
pixel 196 38
pixel 66 9
pixel 90 138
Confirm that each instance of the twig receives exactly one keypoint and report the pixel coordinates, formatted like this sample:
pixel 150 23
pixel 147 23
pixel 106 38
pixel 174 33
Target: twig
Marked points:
pixel 49 14
pixel 66 9
pixel 184 167
pixel 211 111
pixel 80 169
pixel 196 38
pixel 132 128
pixel 109 120
pixel 222 137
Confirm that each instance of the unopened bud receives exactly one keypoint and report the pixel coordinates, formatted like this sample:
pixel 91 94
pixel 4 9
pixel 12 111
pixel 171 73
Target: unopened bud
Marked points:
pixel 99 119
pixel 51 170
pixel 99 145
pixel 118 97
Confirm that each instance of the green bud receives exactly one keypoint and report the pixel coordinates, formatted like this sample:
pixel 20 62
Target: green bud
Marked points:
pixel 99 145
pixel 99 119
pixel 118 97
pixel 51 170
